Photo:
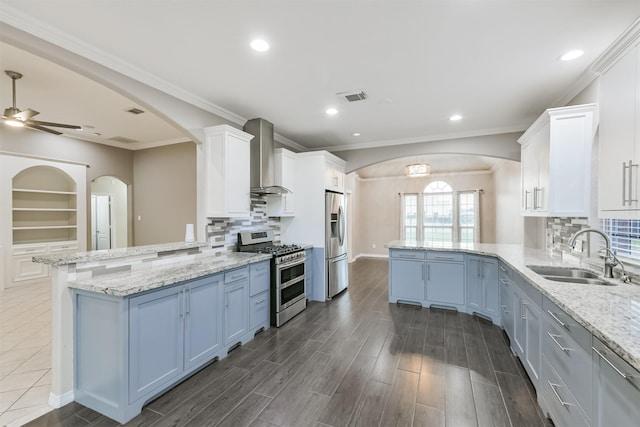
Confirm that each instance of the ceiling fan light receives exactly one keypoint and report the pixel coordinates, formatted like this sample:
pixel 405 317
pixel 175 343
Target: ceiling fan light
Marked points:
pixel 14 123
pixel 417 169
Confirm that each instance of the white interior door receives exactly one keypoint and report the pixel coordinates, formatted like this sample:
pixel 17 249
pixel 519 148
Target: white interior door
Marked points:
pixel 101 221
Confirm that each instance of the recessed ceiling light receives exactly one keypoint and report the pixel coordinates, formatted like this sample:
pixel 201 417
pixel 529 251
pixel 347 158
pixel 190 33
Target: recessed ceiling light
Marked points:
pixel 455 117
pixel 355 134
pixel 331 111
pixel 571 55
pixel 259 45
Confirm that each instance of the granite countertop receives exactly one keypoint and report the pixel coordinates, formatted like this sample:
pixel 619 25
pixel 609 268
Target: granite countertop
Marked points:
pixel 136 281
pixel 610 313
pixel 107 254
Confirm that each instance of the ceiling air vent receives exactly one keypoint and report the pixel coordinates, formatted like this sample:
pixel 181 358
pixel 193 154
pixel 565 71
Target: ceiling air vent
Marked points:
pixel 134 110
pixel 123 139
pixel 352 96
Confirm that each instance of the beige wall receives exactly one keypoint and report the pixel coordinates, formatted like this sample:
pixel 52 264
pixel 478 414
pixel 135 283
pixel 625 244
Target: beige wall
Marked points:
pixel 509 222
pixel 377 212
pixel 164 193
pixel 102 159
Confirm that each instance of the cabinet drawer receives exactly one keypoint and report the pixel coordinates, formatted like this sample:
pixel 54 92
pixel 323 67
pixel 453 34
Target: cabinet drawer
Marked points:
pixel 408 254
pixel 235 275
pixel 65 247
pixel 506 272
pixel 620 366
pixel 259 310
pixel 570 361
pixel 29 250
pixel 260 277
pixel 568 324
pixel 445 256
pixel 561 404
pixel 534 294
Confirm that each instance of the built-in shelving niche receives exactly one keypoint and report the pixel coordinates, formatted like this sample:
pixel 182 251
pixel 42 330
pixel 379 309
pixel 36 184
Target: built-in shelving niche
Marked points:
pixel 44 206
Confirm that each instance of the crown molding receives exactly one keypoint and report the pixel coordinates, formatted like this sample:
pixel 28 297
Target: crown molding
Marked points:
pixel 427 138
pixel 602 63
pixel 289 143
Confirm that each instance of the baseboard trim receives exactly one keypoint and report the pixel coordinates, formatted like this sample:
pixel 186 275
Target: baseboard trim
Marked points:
pixel 59 400
pixel 382 256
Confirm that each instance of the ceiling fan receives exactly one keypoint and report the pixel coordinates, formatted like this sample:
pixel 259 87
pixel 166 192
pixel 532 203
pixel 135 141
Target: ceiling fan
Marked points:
pixel 13 116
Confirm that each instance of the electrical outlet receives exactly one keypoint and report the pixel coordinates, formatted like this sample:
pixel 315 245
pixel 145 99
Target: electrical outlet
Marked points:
pixel 577 247
pixel 373 246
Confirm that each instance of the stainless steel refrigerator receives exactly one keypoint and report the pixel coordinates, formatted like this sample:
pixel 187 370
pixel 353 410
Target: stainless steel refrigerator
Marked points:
pixel 336 244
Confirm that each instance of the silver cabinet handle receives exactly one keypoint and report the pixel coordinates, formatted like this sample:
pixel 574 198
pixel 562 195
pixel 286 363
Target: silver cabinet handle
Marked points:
pixel 535 198
pixel 260 301
pixel 554 338
pixel 624 183
pixel 526 199
pixel 553 387
pixel 504 282
pixel 631 166
pixel 564 325
pixel 503 269
pixel 428 272
pixel 522 313
pixel 615 368
pixel 226 299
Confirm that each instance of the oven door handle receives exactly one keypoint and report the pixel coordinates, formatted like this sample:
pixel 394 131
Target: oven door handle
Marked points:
pixel 291 282
pixel 292 263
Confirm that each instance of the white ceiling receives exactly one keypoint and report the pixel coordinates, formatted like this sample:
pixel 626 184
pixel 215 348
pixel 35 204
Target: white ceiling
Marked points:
pixel 493 61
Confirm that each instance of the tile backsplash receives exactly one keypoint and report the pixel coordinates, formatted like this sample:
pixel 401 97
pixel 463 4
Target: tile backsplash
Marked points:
pixel 560 230
pixel 222 233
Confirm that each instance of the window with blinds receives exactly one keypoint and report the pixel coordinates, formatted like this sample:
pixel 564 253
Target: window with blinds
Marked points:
pixel 624 235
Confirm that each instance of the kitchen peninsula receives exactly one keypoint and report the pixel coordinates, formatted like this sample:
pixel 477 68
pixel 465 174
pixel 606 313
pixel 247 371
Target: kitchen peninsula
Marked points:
pixel 129 323
pixel 578 342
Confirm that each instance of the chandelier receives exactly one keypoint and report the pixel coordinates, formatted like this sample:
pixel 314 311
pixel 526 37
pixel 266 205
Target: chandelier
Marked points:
pixel 417 169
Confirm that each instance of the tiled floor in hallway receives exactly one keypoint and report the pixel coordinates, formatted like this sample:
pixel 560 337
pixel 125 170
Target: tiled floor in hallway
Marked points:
pixel 25 351
pixel 356 360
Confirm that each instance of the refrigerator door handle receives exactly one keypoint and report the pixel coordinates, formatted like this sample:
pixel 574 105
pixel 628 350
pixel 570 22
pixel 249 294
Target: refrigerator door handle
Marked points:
pixel 341 225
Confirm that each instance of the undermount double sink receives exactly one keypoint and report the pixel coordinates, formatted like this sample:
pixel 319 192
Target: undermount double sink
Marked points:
pixel 569 275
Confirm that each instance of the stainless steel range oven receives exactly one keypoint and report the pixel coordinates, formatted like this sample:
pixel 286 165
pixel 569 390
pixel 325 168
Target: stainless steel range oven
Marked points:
pixel 288 294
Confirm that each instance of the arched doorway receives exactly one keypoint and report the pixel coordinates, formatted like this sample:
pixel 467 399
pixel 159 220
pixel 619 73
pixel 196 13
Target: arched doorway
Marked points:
pixel 109 213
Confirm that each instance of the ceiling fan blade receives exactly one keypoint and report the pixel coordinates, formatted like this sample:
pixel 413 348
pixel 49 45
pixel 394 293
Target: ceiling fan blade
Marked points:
pixel 57 125
pixel 25 115
pixel 32 126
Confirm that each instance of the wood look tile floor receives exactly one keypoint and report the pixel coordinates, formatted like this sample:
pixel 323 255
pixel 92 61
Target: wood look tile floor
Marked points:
pixel 355 361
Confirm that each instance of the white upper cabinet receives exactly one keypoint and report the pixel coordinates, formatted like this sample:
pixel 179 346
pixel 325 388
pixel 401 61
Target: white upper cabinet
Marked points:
pixel 226 181
pixel 334 176
pixel 284 166
pixel 620 139
pixel 556 162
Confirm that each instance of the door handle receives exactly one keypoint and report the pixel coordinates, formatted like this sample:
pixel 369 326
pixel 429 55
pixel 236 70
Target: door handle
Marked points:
pixel 554 338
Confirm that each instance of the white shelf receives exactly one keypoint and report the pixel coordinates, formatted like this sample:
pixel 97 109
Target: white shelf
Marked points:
pixel 43 210
pixel 28 190
pixel 45 227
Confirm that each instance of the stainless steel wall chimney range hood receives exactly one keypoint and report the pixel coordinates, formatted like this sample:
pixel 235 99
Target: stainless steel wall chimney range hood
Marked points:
pixel 261 160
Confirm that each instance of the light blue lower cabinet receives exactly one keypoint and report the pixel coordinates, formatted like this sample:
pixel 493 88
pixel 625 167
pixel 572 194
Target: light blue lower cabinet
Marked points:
pixel 566 385
pixel 407 281
pixel 446 284
pixel 156 336
pixel 259 294
pixel 616 389
pixel 203 339
pixel 259 311
pixel 482 291
pixel 308 274
pixel 128 350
